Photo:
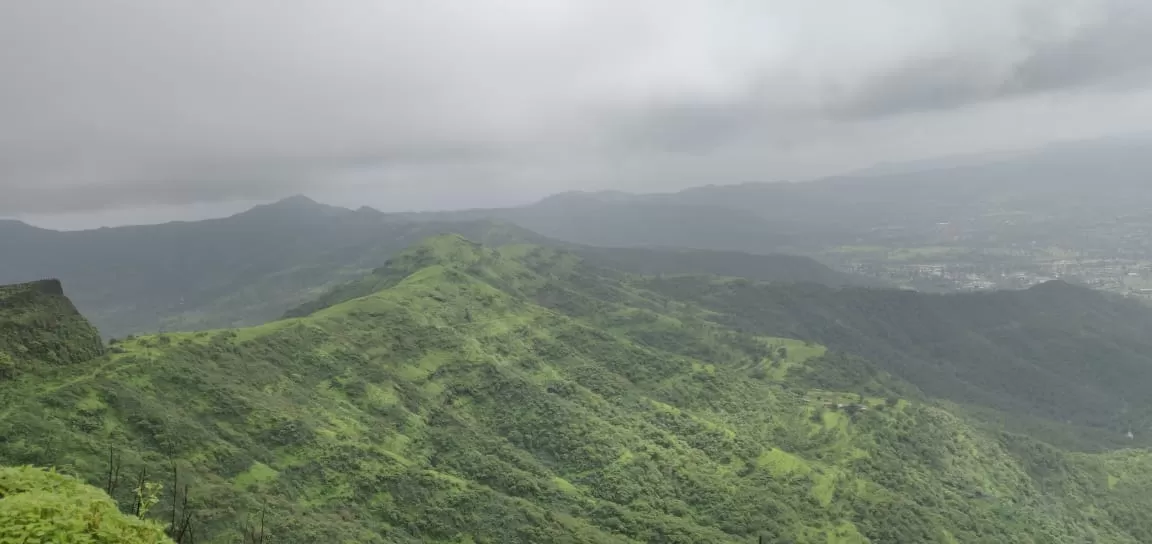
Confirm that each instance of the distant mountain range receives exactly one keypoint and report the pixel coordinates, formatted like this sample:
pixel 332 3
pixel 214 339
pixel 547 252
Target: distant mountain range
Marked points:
pixel 1065 184
pixel 254 266
pixel 243 269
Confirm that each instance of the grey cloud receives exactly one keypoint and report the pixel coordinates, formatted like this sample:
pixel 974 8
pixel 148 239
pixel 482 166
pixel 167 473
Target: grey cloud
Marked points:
pixel 933 83
pixel 132 102
pixel 1105 47
pixel 129 103
pixel 1114 50
pixel 202 185
pixel 693 128
pixel 209 179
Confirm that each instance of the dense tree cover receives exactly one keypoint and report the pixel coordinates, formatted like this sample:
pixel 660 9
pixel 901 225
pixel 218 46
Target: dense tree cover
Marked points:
pixel 43 507
pixel 774 267
pixel 520 394
pixel 1054 352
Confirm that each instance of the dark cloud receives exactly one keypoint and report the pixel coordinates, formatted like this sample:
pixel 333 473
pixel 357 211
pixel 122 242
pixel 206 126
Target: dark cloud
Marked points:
pixel 1113 49
pixel 925 84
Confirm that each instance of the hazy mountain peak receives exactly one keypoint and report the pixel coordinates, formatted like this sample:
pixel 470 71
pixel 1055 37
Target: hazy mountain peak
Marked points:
pixel 15 224
pixel 297 205
pixel 584 196
pixel 296 202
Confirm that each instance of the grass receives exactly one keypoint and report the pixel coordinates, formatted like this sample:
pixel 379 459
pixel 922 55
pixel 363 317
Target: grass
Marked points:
pixel 795 353
pixel 257 474
pixel 781 463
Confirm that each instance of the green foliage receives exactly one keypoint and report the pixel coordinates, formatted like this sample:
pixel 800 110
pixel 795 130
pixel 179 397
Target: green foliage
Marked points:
pixel 147 495
pixel 41 506
pixel 518 394
pixel 7 366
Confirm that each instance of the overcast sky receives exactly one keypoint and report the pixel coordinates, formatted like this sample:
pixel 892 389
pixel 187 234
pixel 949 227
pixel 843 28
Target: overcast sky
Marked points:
pixel 116 111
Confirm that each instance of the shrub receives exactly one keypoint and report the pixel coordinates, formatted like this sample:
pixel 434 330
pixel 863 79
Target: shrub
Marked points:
pixel 42 506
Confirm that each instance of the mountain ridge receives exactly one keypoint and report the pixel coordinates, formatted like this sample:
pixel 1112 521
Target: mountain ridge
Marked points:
pixel 254 266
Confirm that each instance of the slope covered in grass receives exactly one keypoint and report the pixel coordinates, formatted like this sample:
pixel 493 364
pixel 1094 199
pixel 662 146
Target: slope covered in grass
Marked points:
pixel 519 394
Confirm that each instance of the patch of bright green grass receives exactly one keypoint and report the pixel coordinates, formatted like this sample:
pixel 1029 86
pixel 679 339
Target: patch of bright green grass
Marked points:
pixel 258 473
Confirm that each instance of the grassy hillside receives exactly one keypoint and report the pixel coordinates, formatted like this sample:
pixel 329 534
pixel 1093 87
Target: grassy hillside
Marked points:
pixel 520 394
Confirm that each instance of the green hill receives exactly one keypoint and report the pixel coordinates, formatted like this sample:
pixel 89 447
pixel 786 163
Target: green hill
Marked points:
pixel 464 393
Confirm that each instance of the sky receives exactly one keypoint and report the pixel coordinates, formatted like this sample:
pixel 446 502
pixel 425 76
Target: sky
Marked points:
pixel 131 111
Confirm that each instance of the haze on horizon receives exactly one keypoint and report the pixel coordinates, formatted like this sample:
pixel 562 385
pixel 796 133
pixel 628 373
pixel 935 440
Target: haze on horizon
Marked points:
pixel 133 111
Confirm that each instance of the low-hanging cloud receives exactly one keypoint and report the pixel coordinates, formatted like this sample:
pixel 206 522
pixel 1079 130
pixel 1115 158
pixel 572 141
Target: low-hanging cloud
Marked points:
pixel 129 103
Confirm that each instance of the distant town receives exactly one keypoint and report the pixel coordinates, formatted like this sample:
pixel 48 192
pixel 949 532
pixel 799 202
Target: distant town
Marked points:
pixel 980 255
